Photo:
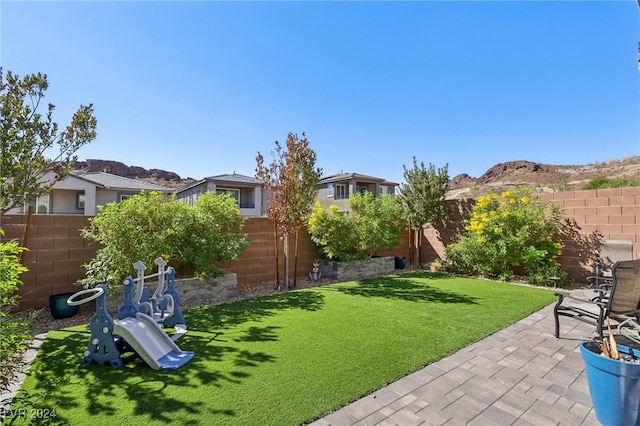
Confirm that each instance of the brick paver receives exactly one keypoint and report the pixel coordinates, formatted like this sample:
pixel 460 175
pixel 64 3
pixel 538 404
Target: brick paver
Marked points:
pixel 519 376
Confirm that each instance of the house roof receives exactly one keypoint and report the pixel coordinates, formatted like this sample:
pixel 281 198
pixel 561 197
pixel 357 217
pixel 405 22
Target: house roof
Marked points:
pixel 234 179
pixel 115 182
pixel 339 177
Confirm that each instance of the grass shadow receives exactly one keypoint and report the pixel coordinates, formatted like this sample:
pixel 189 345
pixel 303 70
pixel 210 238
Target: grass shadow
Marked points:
pixel 62 383
pixel 409 286
pixel 231 314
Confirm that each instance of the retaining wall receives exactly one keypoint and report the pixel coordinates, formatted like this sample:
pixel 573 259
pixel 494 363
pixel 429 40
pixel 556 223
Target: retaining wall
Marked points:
pixel 357 269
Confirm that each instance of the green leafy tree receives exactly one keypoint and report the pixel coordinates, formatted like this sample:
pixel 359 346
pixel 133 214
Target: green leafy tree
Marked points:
pixel 423 198
pixel 27 138
pixel 507 233
pixel 290 184
pixel 372 223
pixel 379 221
pixel 151 224
pixel 14 331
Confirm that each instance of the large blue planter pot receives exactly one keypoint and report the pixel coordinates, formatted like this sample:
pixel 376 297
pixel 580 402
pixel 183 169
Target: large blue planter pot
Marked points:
pixel 614 385
pixel 59 307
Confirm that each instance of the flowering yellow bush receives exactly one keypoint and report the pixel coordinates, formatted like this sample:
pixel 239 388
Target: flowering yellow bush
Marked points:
pixel 371 224
pixel 507 232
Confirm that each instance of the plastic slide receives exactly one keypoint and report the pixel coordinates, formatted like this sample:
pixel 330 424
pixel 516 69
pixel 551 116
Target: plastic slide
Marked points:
pixel 150 341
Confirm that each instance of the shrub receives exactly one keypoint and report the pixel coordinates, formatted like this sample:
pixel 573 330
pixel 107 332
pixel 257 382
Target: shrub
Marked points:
pixel 15 332
pixel 515 232
pixel 151 224
pixel 602 182
pixel 372 223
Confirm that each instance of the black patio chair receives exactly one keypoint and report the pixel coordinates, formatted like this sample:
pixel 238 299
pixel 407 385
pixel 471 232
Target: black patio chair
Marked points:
pixel 619 302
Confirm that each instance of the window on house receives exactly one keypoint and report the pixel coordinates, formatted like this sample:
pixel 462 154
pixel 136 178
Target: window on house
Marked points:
pixel 235 193
pixel 40 204
pixel 123 197
pixel 362 189
pixel 341 192
pixel 79 200
pixel 330 190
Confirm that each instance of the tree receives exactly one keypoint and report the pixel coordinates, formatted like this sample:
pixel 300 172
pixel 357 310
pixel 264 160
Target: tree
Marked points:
pixel 290 184
pixel 27 139
pixel 372 223
pixel 150 224
pixel 423 197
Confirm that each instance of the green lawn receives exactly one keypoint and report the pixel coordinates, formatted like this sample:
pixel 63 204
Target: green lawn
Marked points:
pixel 284 359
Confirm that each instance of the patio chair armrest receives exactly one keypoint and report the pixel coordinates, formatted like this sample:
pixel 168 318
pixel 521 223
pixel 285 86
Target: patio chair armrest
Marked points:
pixel 598 300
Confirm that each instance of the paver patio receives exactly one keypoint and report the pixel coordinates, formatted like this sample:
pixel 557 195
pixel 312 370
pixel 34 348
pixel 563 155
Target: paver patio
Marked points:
pixel 521 375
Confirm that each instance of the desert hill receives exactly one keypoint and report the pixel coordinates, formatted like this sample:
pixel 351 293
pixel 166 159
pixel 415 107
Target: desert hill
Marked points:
pixel 155 176
pixel 502 176
pixel 542 177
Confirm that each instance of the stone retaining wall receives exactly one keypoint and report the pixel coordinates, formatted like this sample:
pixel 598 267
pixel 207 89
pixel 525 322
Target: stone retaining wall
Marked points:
pixel 358 269
pixel 191 290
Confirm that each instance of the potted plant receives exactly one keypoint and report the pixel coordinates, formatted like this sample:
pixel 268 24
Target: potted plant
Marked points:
pixel 613 376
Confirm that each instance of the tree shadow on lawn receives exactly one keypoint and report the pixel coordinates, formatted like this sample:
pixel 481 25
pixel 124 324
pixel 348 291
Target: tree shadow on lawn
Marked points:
pixel 62 383
pixel 231 314
pixel 409 286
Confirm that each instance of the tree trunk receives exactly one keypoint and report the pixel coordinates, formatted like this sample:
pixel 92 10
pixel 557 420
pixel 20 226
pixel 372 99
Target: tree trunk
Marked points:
pixel 286 261
pixel 417 247
pixel 295 260
pixel 25 236
pixel 410 244
pixel 275 240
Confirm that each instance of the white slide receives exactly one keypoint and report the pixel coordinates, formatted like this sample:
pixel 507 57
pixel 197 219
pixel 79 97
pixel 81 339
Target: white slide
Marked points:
pixel 150 341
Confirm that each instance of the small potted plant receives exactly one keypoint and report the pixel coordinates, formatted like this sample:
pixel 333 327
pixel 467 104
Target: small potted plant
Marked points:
pixel 315 274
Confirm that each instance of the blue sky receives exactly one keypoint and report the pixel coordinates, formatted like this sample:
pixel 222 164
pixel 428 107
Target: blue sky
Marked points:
pixel 199 88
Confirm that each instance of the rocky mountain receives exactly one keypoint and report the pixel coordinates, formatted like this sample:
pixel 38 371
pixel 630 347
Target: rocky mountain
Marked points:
pixel 502 176
pixel 542 177
pixel 155 176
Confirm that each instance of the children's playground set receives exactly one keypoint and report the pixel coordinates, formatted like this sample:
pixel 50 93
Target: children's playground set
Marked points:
pixel 141 318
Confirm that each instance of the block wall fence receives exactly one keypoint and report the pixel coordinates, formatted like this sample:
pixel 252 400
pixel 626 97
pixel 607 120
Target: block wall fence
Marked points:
pixel 57 251
pixel 591 216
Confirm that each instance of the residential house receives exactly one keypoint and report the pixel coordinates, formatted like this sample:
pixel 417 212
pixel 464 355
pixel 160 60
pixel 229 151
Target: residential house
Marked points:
pixel 337 189
pixel 82 193
pixel 246 190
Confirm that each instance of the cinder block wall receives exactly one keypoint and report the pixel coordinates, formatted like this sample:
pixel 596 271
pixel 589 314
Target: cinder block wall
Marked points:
pixel 610 214
pixel 55 257
pixel 57 252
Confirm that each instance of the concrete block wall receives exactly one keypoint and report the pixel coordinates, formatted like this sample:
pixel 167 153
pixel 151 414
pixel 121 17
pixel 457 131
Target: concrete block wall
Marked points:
pixel 57 252
pixel 593 215
pixel 55 257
